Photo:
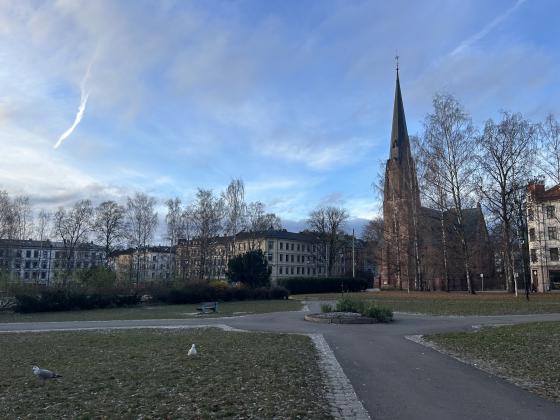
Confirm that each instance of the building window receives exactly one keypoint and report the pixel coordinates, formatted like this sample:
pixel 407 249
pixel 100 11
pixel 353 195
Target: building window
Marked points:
pixel 281 245
pixel 531 215
pixel 27 264
pixel 534 257
pixel 292 257
pixel 281 256
pixel 549 212
pixel 269 256
pixel 279 270
pixel 532 234
pixel 35 254
pixel 553 254
pixel 28 254
pixel 292 247
pixel 270 244
pixel 552 233
pixel 292 270
pixel 43 275
pixel 297 259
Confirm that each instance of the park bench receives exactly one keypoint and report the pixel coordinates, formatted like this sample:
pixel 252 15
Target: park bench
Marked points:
pixel 206 307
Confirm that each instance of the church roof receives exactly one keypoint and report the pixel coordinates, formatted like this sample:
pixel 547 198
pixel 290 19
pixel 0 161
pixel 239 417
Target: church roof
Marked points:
pixel 400 146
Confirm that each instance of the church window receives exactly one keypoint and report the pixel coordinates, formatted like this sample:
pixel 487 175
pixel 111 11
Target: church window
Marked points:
pixel 552 233
pixel 553 254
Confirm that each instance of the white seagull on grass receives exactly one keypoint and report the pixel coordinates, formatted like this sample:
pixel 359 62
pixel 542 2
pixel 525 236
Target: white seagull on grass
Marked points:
pixel 45 374
pixel 192 351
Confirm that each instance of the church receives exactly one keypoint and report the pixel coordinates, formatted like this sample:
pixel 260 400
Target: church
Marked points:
pixel 421 249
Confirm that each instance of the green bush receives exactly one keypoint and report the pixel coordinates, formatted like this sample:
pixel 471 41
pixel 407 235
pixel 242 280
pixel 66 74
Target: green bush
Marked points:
pixel 379 313
pixel 97 278
pixel 369 309
pixel 200 292
pixel 325 308
pixel 67 300
pixel 297 285
pixel 250 268
pixel 347 304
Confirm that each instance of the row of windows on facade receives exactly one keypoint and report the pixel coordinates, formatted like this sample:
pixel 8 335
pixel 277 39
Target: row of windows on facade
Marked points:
pixel 550 213
pixel 551 230
pixel 289 246
pixel 298 270
pixel 44 264
pixel 552 254
pixel 293 258
pixel 45 254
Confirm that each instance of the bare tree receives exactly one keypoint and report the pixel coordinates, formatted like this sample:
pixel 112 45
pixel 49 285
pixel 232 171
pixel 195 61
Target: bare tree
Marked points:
pixel 7 218
pixel 448 167
pixel 207 217
pixel 141 222
pixel 109 225
pixel 505 161
pixel 173 220
pixel 373 236
pixel 72 228
pixel 327 223
pixel 23 217
pixel 235 209
pixel 549 149
pixel 258 220
pixel 42 227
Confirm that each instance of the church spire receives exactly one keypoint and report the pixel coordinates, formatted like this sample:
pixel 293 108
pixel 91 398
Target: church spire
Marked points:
pixel 400 146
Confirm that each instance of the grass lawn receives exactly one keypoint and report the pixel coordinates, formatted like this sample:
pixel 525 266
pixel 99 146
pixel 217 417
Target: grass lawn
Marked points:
pixel 526 353
pixel 156 312
pixel 454 303
pixel 147 374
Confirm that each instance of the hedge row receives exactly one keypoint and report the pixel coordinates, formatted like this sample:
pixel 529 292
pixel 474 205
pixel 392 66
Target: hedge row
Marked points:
pixel 322 284
pixel 204 293
pixel 67 300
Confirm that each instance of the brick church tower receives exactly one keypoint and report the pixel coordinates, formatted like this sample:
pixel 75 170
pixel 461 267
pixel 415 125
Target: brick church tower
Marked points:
pixel 401 208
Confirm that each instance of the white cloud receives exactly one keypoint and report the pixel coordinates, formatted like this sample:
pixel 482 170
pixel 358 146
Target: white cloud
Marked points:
pixel 486 30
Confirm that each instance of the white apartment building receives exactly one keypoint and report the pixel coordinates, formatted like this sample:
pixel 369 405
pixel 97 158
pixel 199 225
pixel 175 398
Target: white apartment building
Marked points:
pixel 43 262
pixel 289 254
pixel 543 223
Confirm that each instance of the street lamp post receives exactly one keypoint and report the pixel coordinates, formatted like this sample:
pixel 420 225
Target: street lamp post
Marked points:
pixel 482 280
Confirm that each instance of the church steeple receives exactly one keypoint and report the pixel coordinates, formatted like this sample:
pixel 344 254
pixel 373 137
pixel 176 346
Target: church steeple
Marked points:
pixel 400 146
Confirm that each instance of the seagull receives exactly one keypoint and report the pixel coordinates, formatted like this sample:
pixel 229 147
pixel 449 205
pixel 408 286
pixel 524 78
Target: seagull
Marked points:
pixel 45 374
pixel 192 351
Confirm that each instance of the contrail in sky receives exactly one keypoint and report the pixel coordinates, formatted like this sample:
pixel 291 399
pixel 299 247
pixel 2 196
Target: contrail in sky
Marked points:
pixel 482 33
pixel 84 94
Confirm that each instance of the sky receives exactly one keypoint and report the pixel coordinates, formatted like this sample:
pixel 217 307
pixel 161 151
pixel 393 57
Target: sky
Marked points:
pixel 293 97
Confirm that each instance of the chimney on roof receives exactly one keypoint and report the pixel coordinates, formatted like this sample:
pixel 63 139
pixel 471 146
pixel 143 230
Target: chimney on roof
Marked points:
pixel 536 188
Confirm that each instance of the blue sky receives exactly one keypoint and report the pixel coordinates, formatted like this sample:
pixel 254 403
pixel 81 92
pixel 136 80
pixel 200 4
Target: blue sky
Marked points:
pixel 294 97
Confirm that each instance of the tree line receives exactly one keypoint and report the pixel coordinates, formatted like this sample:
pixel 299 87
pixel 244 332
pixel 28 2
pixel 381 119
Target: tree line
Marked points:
pixel 133 224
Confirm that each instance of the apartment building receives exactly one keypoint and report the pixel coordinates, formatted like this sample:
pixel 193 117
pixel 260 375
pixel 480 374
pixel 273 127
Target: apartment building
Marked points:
pixel 44 262
pixel 543 223
pixel 288 254
pixel 134 266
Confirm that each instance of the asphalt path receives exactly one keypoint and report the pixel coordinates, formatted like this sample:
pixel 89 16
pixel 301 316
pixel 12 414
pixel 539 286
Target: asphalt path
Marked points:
pixel 394 378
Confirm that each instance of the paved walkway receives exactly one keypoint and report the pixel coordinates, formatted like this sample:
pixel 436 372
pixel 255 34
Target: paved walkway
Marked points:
pixel 394 378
